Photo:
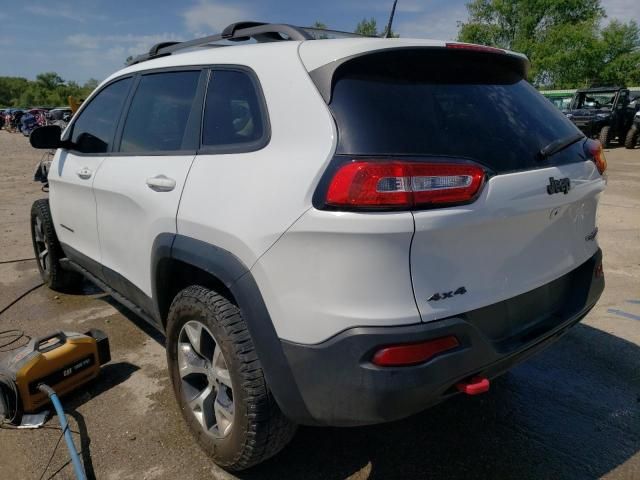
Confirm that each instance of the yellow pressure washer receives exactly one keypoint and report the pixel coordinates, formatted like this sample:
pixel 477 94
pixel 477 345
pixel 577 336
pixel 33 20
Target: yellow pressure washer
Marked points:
pixel 63 360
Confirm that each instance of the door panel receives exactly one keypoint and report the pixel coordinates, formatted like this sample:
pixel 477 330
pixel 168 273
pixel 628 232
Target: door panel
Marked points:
pixel 73 205
pixel 138 189
pixel 131 213
pixel 73 172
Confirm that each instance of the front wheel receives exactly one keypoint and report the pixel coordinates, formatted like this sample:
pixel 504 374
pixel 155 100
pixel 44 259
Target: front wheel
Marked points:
pixel 219 383
pixel 48 251
pixel 605 136
pixel 632 137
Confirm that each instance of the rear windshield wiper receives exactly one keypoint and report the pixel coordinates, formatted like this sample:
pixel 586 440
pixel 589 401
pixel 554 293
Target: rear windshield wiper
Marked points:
pixel 560 144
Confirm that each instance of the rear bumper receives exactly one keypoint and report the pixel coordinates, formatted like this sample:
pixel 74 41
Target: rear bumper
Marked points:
pixel 341 387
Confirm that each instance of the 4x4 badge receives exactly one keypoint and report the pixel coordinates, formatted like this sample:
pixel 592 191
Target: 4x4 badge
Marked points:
pixel 444 295
pixel 556 186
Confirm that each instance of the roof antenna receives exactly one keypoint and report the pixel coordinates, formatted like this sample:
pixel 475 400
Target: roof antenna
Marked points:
pixel 387 32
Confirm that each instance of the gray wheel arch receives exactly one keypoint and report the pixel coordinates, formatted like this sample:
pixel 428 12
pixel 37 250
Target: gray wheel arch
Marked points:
pixel 173 253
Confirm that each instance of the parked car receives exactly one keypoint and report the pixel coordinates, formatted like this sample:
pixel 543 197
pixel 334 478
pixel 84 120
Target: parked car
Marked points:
pixel 330 232
pixel 605 113
pixel 12 119
pixel 32 119
pixel 59 116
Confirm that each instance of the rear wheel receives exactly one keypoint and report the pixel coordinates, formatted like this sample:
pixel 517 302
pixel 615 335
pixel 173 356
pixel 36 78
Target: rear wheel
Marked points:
pixel 605 136
pixel 218 381
pixel 48 251
pixel 632 137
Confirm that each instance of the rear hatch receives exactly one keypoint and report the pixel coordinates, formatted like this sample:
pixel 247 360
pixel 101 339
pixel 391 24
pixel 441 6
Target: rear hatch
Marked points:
pixel 521 230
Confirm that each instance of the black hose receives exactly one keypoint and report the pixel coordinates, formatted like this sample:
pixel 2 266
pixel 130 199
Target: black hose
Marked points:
pixel 17 260
pixel 20 297
pixel 8 412
pixel 13 336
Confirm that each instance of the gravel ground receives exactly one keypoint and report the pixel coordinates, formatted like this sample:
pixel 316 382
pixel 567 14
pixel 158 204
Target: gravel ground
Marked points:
pixel 571 412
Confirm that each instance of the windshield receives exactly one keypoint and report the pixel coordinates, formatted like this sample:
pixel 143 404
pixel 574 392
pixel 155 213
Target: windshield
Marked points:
pixel 441 103
pixel 595 100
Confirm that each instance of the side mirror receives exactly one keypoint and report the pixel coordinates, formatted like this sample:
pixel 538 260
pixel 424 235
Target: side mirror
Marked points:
pixel 46 137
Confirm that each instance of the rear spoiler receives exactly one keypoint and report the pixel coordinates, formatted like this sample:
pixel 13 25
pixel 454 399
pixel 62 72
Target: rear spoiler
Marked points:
pixel 323 76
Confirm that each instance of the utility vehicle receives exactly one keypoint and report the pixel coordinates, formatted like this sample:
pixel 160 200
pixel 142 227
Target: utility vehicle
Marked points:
pixel 605 113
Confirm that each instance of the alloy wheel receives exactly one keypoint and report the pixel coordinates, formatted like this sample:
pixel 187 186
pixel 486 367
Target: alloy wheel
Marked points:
pixel 206 382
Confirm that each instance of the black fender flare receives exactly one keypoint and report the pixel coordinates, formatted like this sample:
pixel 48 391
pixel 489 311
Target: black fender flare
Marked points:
pixel 231 271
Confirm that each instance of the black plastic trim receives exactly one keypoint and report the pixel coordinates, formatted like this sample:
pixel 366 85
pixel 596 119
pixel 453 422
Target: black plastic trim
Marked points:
pixel 87 263
pixel 113 283
pixel 230 270
pixel 71 265
pixel 261 32
pixel 342 387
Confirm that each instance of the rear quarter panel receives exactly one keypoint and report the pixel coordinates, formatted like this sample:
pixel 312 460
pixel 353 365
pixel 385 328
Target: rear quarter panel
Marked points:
pixel 244 202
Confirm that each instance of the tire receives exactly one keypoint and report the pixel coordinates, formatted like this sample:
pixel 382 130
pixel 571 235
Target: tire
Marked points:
pixel 243 425
pixel 48 252
pixel 605 136
pixel 632 137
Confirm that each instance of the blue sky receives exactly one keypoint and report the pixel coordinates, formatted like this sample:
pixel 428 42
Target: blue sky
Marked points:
pixel 81 39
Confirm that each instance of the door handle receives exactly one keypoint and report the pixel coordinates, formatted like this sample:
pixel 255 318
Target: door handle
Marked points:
pixel 84 173
pixel 161 183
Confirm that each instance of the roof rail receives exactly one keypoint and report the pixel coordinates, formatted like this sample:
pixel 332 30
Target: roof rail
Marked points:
pixel 236 32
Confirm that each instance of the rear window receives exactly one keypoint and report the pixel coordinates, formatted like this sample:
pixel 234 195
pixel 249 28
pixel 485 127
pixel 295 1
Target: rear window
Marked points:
pixel 435 102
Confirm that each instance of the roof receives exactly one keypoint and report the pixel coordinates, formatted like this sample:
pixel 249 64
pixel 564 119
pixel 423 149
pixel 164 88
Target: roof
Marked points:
pixel 258 40
pixel 600 89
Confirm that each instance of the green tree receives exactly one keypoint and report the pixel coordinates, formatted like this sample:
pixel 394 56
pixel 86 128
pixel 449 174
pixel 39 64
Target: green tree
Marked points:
pixel 128 60
pixel 88 87
pixel 515 24
pixel 566 56
pixel 620 45
pixel 49 80
pixel 49 89
pixel 370 28
pixel 367 27
pixel 10 90
pixel 320 26
pixel 563 39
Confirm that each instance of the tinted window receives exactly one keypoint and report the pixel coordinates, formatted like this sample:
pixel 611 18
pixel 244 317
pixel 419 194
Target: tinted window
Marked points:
pixel 233 114
pixel 443 103
pixel 94 129
pixel 159 113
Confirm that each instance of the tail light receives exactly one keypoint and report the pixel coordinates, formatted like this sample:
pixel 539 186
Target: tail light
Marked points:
pixel 413 353
pixel 594 149
pixel 371 184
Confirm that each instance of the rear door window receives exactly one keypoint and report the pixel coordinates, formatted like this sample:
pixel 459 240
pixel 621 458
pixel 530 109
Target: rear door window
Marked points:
pixel 159 116
pixel 434 102
pixel 94 129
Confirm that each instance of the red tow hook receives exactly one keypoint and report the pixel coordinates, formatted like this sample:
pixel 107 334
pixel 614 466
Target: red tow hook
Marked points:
pixel 474 386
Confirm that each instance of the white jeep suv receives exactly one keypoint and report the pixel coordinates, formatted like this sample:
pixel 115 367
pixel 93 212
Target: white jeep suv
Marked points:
pixel 329 232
